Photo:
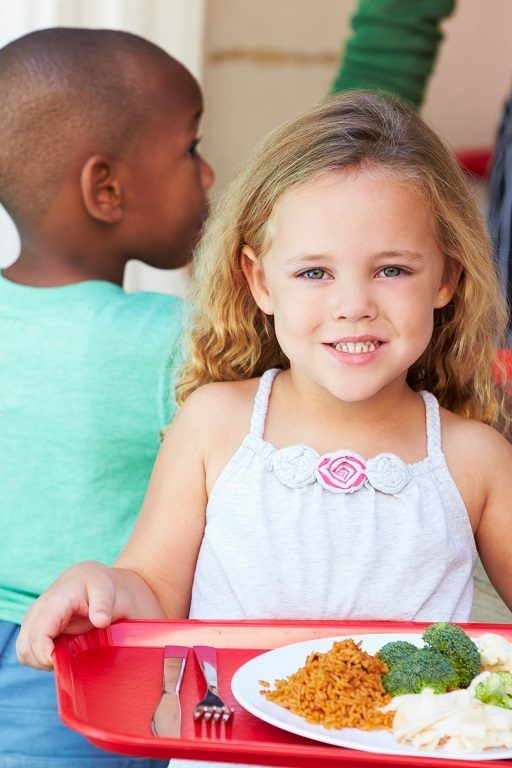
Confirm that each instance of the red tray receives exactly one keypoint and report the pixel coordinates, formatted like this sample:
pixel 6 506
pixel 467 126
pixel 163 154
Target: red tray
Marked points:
pixel 109 682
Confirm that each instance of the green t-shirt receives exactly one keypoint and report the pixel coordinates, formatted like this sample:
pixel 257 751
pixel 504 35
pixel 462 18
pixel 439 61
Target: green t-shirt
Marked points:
pixel 85 388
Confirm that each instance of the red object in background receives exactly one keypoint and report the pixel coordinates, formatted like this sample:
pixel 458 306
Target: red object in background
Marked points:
pixel 502 368
pixel 475 161
pixel 109 680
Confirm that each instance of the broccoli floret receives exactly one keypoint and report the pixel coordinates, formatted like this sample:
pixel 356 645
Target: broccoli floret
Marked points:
pixel 396 651
pixel 457 647
pixel 496 689
pixel 425 668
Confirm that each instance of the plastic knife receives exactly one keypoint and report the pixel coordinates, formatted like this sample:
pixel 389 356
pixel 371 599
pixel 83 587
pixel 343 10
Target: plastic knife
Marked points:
pixel 166 720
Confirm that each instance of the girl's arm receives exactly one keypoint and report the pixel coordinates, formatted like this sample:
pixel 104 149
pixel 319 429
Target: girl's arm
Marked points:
pixel 164 545
pixel 493 534
pixel 85 595
pixel 153 576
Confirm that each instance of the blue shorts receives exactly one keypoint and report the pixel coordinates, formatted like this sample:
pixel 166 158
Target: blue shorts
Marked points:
pixel 31 732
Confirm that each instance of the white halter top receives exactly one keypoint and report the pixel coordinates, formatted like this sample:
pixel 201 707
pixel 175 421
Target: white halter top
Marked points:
pixel 292 534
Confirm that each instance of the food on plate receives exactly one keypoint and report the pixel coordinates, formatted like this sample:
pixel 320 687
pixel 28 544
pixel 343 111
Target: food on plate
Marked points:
pixel 425 668
pixel 458 647
pixel 495 652
pixel 396 650
pixel 452 692
pixel 337 689
pixel 471 718
pixel 494 688
pixel 455 721
pixel 449 660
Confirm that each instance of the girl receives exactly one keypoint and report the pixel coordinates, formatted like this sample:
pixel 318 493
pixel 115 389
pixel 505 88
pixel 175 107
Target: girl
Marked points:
pixel 333 457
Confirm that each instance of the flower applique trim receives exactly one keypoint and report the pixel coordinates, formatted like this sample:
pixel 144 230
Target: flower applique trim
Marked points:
pixel 340 471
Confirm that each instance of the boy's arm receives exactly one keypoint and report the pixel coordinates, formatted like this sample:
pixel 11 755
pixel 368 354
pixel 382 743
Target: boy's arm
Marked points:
pixel 393 46
pixel 153 576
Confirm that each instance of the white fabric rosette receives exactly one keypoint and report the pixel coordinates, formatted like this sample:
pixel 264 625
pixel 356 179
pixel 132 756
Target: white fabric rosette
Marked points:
pixel 295 465
pixel 387 473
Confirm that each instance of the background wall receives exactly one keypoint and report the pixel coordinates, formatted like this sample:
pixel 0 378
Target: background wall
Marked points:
pixel 267 61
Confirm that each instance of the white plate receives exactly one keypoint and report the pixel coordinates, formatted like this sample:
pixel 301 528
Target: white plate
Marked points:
pixel 281 662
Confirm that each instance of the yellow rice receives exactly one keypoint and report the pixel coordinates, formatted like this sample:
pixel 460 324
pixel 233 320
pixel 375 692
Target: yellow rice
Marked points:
pixel 338 689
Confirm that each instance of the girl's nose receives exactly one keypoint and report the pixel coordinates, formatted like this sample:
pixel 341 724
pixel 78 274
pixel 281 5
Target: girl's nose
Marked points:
pixel 207 175
pixel 353 302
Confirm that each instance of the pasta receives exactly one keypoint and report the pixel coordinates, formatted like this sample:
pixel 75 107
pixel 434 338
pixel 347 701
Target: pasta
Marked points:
pixel 338 689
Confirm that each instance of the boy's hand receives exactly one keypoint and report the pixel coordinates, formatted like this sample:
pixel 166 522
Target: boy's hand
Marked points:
pixel 82 597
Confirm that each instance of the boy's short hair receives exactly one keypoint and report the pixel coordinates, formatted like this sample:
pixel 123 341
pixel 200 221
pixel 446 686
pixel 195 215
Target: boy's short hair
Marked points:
pixel 68 92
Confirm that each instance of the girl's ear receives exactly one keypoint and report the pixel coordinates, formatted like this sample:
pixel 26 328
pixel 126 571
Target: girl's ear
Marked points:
pixel 101 190
pixel 449 282
pixel 255 276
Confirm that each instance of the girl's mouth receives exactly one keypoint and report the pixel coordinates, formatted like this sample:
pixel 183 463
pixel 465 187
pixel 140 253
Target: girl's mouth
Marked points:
pixel 357 347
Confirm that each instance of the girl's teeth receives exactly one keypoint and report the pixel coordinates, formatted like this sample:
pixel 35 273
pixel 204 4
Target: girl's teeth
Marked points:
pixel 356 347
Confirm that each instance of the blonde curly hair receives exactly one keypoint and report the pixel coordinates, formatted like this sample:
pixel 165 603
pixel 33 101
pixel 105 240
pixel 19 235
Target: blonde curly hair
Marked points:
pixel 230 338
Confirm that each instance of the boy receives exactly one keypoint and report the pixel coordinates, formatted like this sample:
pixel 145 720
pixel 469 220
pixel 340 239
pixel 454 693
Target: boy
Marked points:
pixel 98 165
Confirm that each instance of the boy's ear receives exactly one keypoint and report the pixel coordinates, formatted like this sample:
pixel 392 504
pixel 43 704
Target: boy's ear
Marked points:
pixel 449 282
pixel 101 190
pixel 255 276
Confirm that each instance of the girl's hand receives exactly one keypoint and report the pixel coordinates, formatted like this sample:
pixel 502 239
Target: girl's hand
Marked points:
pixel 82 597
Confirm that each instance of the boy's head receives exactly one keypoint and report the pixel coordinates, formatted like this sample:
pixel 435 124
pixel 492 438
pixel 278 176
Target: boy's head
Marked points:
pixel 97 141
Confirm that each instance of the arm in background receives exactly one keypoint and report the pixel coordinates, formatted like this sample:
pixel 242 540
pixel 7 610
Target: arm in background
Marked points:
pixel 393 46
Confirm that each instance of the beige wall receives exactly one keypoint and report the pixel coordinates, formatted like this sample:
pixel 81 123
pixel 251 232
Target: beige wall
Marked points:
pixel 268 60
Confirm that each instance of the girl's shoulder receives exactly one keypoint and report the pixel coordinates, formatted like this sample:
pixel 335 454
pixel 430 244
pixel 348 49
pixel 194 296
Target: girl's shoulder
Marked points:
pixel 219 417
pixel 220 397
pixel 478 455
pixel 470 436
pixel 221 408
pixel 480 460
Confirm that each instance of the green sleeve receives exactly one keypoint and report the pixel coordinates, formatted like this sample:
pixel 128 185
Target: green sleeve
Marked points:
pixel 393 46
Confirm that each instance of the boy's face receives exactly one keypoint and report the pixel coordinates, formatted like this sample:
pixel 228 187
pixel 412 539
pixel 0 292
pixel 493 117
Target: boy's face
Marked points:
pixel 166 203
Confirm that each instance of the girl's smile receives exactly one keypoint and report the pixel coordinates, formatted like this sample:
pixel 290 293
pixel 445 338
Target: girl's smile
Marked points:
pixel 356 351
pixel 352 277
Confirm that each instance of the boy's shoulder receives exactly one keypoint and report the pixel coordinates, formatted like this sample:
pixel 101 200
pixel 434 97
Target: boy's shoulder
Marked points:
pixel 153 314
pixel 148 301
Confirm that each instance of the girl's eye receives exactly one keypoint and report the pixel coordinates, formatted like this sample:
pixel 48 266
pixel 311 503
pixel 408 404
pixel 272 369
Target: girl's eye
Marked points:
pixel 391 271
pixel 314 274
pixel 192 150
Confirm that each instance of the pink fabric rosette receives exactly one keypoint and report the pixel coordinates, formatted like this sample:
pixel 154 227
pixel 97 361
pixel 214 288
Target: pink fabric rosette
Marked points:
pixel 341 471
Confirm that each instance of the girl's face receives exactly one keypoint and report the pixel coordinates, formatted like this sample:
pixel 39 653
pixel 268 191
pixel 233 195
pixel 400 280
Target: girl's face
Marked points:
pixel 352 279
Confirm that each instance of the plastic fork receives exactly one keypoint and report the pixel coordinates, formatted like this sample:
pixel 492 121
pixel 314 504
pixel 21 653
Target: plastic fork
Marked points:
pixel 211 706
